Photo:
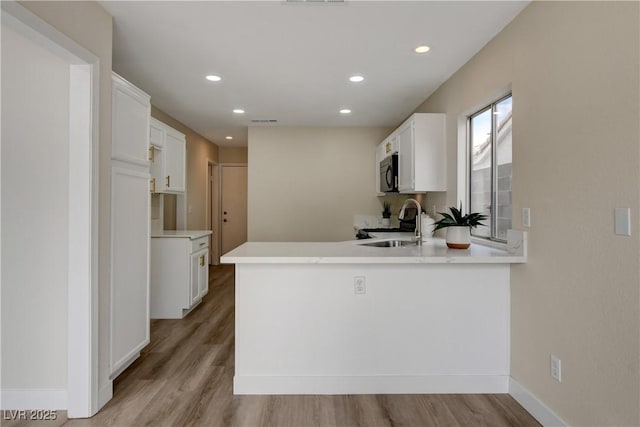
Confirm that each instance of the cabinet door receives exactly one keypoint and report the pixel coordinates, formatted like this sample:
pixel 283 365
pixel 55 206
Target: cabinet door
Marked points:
pixel 198 280
pixel 130 111
pixel 203 273
pixel 405 157
pixel 130 213
pixel 174 161
pixel 156 133
pixel 194 285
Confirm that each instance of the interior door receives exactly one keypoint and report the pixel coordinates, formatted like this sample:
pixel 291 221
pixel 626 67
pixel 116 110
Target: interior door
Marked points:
pixel 234 206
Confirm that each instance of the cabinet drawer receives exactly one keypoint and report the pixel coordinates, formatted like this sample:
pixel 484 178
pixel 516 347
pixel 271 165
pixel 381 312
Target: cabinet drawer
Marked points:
pixel 199 243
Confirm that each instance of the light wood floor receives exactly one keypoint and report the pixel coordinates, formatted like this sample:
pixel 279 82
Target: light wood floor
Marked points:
pixel 184 378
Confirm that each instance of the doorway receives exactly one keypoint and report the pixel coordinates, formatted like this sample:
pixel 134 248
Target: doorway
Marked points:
pixel 234 206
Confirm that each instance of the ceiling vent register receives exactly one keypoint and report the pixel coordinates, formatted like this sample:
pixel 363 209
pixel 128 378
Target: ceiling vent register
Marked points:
pixel 264 121
pixel 314 1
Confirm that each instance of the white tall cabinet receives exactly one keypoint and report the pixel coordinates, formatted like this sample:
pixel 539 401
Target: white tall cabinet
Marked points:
pixel 130 224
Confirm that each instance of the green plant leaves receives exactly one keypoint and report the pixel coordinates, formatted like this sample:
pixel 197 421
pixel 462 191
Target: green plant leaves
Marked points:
pixel 457 219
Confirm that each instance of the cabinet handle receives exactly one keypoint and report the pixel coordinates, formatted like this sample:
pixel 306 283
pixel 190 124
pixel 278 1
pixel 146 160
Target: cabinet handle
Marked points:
pixel 153 185
pixel 168 181
pixel 201 260
pixel 152 154
pixel 203 243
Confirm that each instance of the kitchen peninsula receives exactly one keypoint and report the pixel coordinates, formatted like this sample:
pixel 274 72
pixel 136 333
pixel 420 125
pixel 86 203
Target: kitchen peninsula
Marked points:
pixel 347 318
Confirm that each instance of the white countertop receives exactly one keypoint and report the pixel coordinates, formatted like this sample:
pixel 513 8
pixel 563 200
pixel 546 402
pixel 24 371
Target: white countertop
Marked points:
pixel 187 234
pixel 434 251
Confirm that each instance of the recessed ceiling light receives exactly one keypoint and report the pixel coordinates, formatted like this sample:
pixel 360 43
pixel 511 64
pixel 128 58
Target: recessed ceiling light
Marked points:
pixel 422 49
pixel 238 111
pixel 345 111
pixel 356 78
pixel 213 78
pixel 228 137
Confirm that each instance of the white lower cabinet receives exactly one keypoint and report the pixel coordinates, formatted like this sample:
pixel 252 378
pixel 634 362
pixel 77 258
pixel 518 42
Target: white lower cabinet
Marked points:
pixel 179 275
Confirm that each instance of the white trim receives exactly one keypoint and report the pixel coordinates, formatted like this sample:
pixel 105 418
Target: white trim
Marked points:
pixel 388 384
pixel 81 397
pixel 534 406
pixel 47 399
pixel 105 393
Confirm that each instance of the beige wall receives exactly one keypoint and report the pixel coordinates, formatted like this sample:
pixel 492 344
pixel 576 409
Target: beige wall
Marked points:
pixel 233 154
pixel 89 25
pixel 35 160
pixel 199 151
pixel 574 71
pixel 306 183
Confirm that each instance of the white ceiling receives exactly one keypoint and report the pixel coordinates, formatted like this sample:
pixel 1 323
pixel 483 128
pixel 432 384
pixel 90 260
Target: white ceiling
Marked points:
pixel 291 61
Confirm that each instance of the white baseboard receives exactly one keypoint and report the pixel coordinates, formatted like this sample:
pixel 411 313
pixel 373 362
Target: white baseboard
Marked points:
pixel 49 399
pixel 534 406
pixel 105 394
pixel 371 384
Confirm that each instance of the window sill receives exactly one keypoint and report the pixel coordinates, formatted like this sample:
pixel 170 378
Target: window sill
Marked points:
pixel 489 243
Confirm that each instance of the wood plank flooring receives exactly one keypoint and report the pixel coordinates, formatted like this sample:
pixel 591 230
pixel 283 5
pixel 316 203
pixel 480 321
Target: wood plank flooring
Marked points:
pixel 184 378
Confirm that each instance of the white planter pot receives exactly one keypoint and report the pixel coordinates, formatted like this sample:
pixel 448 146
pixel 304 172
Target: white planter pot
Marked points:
pixel 386 221
pixel 458 237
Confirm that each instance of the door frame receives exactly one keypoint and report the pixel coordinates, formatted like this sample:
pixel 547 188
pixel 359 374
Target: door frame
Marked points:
pixel 82 300
pixel 212 209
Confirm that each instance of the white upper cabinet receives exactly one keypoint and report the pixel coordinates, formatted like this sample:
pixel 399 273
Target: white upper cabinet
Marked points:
pixel 175 158
pixel 130 110
pixel 167 153
pixel 422 154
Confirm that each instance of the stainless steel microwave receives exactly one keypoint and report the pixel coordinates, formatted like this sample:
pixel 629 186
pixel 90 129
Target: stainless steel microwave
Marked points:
pixel 389 174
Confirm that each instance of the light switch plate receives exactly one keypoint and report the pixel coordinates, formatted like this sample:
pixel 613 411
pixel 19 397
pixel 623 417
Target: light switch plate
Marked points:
pixel 526 217
pixel 623 221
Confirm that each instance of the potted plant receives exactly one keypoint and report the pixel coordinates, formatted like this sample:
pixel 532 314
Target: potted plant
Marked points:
pixel 386 213
pixel 459 226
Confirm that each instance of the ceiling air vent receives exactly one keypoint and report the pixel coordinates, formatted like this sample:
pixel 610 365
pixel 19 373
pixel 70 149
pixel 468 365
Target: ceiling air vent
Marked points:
pixel 314 1
pixel 264 121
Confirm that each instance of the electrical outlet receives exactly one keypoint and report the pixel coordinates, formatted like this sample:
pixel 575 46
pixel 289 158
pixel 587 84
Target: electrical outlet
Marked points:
pixel 526 217
pixel 556 368
pixel 359 285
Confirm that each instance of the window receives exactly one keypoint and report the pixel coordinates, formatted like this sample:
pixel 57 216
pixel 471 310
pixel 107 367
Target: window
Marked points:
pixel 490 168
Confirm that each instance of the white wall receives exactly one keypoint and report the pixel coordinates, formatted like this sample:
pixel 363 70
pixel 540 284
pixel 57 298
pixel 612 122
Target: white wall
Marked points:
pixel 574 71
pixel 305 183
pixel 35 150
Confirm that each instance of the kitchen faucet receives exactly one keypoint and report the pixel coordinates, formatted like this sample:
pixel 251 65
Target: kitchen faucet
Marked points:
pixel 418 218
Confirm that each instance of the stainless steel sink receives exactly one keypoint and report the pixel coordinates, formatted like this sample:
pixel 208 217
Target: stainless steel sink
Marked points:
pixel 389 243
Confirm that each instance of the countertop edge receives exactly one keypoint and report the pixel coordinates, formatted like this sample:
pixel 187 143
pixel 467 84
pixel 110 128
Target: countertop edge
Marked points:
pixel 372 260
pixel 181 234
